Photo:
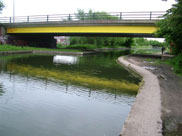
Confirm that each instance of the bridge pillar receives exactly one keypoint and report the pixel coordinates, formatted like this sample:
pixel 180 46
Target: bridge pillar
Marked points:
pixel 3 36
pixel 32 40
pixel 2 31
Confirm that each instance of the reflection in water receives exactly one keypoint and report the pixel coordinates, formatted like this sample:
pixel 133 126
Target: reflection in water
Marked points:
pixel 82 91
pixel 1 90
pixel 65 59
pixel 76 78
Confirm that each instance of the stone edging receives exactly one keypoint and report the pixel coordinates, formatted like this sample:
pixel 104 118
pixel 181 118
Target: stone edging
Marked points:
pixel 15 52
pixel 48 52
pixel 144 118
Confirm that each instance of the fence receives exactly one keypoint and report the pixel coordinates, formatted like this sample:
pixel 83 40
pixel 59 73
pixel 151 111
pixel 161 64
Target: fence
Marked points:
pixel 154 15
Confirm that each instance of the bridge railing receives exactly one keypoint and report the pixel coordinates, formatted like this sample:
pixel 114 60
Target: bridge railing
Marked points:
pixel 154 15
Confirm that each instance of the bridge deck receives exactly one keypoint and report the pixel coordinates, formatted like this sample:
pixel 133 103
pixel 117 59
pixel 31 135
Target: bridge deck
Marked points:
pixel 97 24
pixel 117 27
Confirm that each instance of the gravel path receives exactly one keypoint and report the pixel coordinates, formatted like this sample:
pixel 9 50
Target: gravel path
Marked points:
pixel 171 94
pixel 145 116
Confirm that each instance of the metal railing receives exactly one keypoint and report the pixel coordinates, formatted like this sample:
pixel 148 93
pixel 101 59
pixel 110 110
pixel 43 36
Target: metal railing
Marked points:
pixel 154 15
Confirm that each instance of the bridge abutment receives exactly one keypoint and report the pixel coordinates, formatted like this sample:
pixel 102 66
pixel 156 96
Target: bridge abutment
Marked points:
pixel 32 40
pixel 3 36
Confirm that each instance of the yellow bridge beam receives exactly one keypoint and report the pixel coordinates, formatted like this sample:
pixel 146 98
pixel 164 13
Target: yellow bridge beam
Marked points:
pixel 142 29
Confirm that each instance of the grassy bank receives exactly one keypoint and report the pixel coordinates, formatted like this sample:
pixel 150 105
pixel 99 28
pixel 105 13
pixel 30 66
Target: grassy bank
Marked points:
pixel 146 50
pixel 85 47
pixel 20 48
pixel 78 46
pixel 176 63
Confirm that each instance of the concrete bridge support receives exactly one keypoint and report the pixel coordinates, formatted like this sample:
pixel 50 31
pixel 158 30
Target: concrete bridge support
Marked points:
pixel 32 40
pixel 3 36
pixel 2 31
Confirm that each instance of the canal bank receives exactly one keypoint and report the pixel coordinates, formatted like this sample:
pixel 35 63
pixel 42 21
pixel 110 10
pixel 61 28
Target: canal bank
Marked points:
pixel 145 116
pixel 48 52
pixel 68 52
pixel 171 93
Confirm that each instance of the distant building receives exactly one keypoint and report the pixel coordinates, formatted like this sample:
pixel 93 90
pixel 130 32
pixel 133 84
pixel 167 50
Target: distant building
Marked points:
pixel 3 39
pixel 63 40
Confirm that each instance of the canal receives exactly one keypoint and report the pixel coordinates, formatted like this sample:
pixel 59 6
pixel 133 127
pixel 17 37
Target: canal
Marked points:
pixel 54 95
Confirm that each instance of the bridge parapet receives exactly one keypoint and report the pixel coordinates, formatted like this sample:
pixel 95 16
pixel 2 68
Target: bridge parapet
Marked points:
pixel 84 23
pixel 116 16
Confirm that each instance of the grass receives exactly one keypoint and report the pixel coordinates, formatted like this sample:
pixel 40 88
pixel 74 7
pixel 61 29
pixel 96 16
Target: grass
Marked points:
pixel 79 46
pixel 175 63
pixel 141 47
pixel 85 46
pixel 20 48
pixel 145 50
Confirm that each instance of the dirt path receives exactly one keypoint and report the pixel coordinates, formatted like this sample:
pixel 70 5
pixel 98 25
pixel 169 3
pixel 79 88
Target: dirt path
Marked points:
pixel 171 94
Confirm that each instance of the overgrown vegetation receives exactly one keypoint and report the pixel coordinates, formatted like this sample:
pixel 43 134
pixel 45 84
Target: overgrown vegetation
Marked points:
pixel 176 63
pixel 91 15
pixel 100 42
pixel 144 46
pixel 80 47
pixel 145 50
pixel 171 27
pixel 145 42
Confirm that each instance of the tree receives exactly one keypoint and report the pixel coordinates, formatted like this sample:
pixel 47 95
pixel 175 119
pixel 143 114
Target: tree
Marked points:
pixel 91 15
pixel 171 27
pixel 1 5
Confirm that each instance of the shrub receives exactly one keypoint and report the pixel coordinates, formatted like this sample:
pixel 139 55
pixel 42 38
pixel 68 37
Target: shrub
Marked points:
pixel 82 46
pixel 176 62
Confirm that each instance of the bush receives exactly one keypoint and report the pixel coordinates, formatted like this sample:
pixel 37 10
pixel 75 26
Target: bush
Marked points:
pixel 59 45
pixel 177 64
pixel 170 27
pixel 82 46
pixel 99 42
pixel 145 42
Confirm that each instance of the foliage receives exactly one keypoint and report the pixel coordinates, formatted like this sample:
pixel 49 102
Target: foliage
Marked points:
pixel 59 45
pixel 99 42
pixel 91 15
pixel 176 62
pixel 145 46
pixel 139 42
pixel 81 46
pixel 1 5
pixel 145 42
pixel 171 27
pixel 147 51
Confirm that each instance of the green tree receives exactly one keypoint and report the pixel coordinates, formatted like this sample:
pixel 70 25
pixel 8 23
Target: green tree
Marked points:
pixel 80 15
pixel 171 27
pixel 1 5
pixel 91 15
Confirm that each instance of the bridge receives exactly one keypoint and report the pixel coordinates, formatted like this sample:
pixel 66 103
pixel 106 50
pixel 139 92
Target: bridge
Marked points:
pixel 125 24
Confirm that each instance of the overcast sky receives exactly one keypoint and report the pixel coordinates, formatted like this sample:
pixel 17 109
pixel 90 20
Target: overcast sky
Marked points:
pixel 44 7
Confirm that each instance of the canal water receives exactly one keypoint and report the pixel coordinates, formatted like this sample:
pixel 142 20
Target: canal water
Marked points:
pixel 46 95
